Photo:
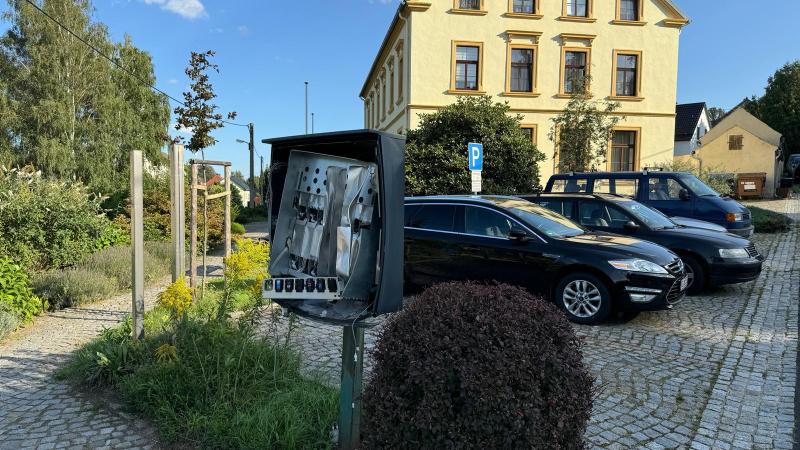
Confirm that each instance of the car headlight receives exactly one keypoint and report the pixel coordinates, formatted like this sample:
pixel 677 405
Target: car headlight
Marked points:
pixel 733 253
pixel 734 217
pixel 638 265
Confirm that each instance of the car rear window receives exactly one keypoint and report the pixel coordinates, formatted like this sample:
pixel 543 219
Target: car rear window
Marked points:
pixel 431 217
pixel 563 207
pixel 623 187
pixel 569 186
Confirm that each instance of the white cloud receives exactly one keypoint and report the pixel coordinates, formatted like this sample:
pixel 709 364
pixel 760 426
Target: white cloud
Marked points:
pixel 181 129
pixel 189 9
pixel 243 30
pixel 172 81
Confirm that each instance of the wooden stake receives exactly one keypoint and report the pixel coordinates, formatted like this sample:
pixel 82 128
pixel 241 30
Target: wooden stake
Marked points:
pixel 137 241
pixel 227 224
pixel 178 212
pixel 193 233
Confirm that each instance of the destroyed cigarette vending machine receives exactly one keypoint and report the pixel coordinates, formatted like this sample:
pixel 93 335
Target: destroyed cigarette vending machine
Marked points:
pixel 337 225
pixel 336 234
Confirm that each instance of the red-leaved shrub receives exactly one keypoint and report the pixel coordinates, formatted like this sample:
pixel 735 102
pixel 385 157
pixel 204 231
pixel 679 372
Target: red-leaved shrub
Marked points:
pixel 481 366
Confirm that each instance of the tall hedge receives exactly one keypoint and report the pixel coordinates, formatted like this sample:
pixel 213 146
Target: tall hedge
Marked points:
pixel 47 223
pixel 470 365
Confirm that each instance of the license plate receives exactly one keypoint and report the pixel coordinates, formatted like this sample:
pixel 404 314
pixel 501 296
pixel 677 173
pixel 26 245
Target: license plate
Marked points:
pixel 684 283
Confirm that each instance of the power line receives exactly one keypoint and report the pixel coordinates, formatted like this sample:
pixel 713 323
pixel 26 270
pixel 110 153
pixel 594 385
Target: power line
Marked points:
pixel 111 60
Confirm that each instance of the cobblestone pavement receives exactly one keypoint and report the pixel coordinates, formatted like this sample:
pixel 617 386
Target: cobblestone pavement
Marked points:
pixel 38 412
pixel 716 372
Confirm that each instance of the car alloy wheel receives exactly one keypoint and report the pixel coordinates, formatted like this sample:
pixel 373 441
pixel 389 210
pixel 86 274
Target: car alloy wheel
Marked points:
pixel 582 299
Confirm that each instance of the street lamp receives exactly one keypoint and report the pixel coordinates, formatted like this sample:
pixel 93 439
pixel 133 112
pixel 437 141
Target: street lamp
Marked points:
pixel 251 146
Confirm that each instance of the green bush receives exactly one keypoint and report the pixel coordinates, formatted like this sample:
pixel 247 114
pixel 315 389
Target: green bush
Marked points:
pixel 237 229
pixel 100 275
pixel 47 224
pixel 766 221
pixel 469 365
pixel 73 287
pixel 16 295
pixel 8 320
pixel 211 385
pixel 249 215
pixel 115 262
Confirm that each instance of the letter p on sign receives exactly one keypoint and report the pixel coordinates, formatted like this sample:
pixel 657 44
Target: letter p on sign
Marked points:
pixel 475 156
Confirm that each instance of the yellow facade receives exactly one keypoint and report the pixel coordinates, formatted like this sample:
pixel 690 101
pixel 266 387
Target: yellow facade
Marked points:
pixel 422 39
pixel 739 144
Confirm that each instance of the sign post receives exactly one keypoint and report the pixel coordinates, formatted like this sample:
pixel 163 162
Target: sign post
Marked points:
pixel 476 165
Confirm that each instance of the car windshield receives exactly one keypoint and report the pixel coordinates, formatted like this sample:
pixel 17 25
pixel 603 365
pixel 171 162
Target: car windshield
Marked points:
pixel 542 219
pixel 648 216
pixel 699 188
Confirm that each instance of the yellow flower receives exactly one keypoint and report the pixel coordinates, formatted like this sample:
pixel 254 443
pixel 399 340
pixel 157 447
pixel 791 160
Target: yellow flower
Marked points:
pixel 176 298
pixel 167 353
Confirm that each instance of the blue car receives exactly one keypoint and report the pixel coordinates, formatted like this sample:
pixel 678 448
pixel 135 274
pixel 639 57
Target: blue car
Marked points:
pixel 676 194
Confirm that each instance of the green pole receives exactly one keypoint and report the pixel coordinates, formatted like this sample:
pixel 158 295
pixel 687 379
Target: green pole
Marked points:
pixel 350 393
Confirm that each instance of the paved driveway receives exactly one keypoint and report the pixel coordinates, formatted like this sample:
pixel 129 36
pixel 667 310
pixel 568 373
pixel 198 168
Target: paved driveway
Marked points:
pixel 717 372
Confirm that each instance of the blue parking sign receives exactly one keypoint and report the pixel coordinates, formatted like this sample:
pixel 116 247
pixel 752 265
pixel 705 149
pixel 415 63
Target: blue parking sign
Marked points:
pixel 475 156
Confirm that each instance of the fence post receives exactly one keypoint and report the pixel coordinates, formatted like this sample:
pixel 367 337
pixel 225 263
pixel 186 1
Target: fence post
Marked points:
pixel 137 241
pixel 193 233
pixel 227 224
pixel 178 213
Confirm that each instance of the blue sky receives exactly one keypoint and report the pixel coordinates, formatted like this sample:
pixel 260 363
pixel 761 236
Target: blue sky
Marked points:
pixel 266 49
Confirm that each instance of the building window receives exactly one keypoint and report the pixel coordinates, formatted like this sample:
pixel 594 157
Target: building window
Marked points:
pixel 735 142
pixel 575 70
pixel 367 114
pixel 469 4
pixel 627 75
pixel 522 66
pixel 629 10
pixel 466 70
pixel 530 132
pixel 524 7
pixel 577 8
pixel 391 85
pixel 400 78
pixel 623 151
pixel 379 111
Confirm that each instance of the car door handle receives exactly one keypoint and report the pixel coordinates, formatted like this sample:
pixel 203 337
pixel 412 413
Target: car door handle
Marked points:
pixel 471 248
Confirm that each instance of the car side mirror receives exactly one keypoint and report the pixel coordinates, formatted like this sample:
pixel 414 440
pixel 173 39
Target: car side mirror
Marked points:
pixel 684 194
pixel 519 235
pixel 631 226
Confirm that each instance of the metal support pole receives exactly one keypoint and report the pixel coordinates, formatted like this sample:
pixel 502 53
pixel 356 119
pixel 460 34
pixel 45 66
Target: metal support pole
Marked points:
pixel 178 212
pixel 137 247
pixel 306 107
pixel 312 123
pixel 227 211
pixel 193 232
pixel 350 395
pixel 261 181
pixel 252 183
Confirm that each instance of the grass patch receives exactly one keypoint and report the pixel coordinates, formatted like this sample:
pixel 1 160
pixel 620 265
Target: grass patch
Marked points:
pixel 766 221
pixel 210 384
pixel 237 229
pixel 100 275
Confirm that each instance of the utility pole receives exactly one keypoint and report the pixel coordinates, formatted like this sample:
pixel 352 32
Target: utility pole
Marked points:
pixel 252 146
pixel 261 180
pixel 306 107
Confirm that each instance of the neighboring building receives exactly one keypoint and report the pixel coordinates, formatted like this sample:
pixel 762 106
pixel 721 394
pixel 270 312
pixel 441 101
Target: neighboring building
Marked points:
pixel 526 52
pixel 691 124
pixel 244 189
pixel 740 143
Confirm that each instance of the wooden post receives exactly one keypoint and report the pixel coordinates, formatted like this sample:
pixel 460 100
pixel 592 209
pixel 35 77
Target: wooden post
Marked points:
pixel 137 241
pixel 193 233
pixel 227 223
pixel 178 213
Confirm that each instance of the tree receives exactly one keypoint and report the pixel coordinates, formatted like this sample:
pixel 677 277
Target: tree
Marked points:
pixel 436 152
pixel 581 133
pixel 780 106
pixel 73 113
pixel 198 115
pixel 715 115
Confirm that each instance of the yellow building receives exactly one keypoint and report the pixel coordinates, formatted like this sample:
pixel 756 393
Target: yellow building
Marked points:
pixel 742 144
pixel 526 52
